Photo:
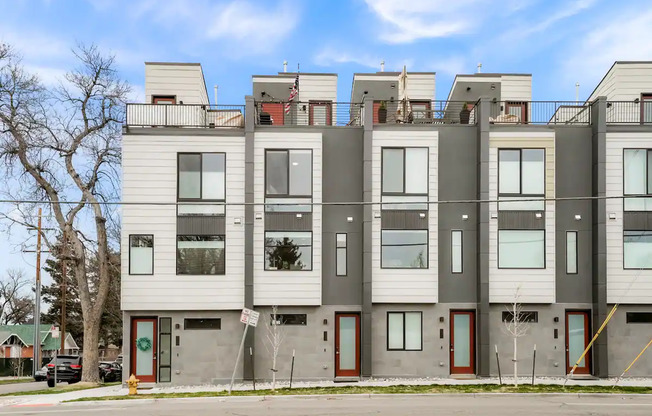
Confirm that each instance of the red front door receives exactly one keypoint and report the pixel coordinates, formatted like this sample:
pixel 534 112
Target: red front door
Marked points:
pixel 347 345
pixel 143 349
pixel 577 339
pixel 462 342
pixel 276 111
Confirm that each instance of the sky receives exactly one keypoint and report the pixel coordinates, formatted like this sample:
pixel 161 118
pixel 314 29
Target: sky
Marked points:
pixel 560 42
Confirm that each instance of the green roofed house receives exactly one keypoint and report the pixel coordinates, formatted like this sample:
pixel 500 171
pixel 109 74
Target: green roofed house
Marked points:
pixel 17 341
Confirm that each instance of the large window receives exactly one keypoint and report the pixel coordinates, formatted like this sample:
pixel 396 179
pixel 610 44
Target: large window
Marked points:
pixel 456 251
pixel 637 248
pixel 521 175
pixel 340 254
pixel 404 331
pixel 288 250
pixel 405 171
pixel 571 252
pixel 141 254
pixel 404 249
pixel 201 183
pixel 200 254
pixel 521 249
pixel 288 180
pixel 637 178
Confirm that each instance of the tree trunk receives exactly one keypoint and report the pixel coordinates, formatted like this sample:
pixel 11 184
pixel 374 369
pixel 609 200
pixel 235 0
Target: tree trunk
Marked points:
pixel 274 372
pixel 91 355
pixel 515 362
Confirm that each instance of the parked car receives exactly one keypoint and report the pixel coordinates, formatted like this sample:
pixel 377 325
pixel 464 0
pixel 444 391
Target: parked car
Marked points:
pixel 69 368
pixel 110 371
pixel 41 374
pixel 119 359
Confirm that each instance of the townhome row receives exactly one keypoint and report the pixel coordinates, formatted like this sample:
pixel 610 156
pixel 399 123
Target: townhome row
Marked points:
pixel 391 231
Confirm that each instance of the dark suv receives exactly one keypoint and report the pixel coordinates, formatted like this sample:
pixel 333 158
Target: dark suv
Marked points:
pixel 69 368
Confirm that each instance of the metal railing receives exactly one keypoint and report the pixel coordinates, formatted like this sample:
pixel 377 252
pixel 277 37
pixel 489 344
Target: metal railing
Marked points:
pixel 308 113
pixel 539 112
pixel 424 112
pixel 185 115
pixel 629 112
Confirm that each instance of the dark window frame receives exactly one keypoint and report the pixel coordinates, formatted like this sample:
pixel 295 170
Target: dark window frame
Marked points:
pixel 520 193
pixel 577 249
pixel 646 97
pixel 160 360
pixel 382 169
pixel 529 316
pixel 202 274
pixel 141 235
pixel 312 244
pixel 545 254
pixel 648 192
pixel 346 254
pixel 406 268
pixel 461 252
pixel 387 331
pixel 290 195
pixel 156 98
pixel 201 177
pixel 328 104
pixel 298 321
pixel 630 318
pixel 525 119
pixel 186 321
pixel 633 231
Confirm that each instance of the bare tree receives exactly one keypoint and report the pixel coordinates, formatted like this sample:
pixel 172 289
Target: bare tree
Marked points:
pixel 16 303
pixel 274 337
pixel 61 146
pixel 517 325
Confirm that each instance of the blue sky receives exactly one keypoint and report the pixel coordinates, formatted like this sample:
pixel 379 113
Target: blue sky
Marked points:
pixel 559 42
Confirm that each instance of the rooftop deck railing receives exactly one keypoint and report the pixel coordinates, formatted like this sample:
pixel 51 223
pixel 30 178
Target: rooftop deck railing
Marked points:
pixel 424 112
pixel 308 113
pixel 539 112
pixel 185 115
pixel 629 112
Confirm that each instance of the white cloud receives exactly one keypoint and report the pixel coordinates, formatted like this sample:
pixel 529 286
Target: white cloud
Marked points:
pixel 330 57
pixel 50 76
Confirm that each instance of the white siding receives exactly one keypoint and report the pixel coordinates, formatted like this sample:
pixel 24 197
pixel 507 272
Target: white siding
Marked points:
pixel 287 287
pixel 623 286
pixel 149 166
pixel 536 285
pixel 317 88
pixel 516 88
pixel 625 82
pixel 406 285
pixel 421 86
pixel 184 81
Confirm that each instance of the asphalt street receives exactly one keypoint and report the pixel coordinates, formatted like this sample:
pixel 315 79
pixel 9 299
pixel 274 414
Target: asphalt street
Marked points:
pixel 460 405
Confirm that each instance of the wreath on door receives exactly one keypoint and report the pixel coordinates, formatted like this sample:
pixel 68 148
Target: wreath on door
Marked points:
pixel 144 344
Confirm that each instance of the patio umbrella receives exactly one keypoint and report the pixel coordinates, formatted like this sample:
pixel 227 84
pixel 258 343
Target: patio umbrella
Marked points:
pixel 405 109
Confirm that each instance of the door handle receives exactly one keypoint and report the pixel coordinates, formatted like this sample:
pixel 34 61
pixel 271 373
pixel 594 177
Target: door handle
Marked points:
pixel 154 356
pixel 452 349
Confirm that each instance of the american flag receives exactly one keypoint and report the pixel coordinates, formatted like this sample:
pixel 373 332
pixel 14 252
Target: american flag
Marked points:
pixel 293 93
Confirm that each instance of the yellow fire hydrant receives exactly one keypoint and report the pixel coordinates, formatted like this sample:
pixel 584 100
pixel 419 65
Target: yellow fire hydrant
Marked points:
pixel 133 385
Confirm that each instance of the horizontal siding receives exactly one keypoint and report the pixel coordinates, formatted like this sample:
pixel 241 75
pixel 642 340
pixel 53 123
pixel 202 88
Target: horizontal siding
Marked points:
pixel 186 82
pixel 287 287
pixel 623 286
pixel 516 88
pixel 319 88
pixel 536 286
pixel 625 82
pixel 421 86
pixel 150 175
pixel 411 285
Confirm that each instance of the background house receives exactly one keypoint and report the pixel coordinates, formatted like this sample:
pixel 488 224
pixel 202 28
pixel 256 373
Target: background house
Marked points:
pixel 18 341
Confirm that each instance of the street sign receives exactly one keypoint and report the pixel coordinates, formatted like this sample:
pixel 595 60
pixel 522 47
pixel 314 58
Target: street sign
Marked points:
pixel 249 317
pixel 55 331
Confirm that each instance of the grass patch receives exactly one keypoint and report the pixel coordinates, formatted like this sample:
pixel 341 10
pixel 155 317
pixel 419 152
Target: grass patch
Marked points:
pixel 61 388
pixel 398 389
pixel 16 380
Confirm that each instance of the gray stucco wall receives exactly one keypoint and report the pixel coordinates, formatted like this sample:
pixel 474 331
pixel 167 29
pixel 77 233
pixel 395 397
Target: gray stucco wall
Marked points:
pixel 458 159
pixel 573 179
pixel 342 182
pixel 626 341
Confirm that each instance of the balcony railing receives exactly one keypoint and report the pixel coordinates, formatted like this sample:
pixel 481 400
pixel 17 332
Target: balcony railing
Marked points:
pixel 424 112
pixel 308 113
pixel 539 112
pixel 185 115
pixel 629 112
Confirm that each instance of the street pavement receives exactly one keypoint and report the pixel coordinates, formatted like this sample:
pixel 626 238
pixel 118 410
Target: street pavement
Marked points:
pixel 18 387
pixel 382 405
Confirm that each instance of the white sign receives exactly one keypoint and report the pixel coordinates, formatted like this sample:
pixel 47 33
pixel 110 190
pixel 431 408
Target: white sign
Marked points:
pixel 249 317
pixel 54 331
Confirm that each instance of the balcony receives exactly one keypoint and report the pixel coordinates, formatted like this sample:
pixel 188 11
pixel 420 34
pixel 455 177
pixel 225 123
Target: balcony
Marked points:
pixel 539 112
pixel 630 112
pixel 424 112
pixel 308 113
pixel 185 115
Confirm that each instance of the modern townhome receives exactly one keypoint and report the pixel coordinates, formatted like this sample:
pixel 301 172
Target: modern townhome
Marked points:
pixel 392 234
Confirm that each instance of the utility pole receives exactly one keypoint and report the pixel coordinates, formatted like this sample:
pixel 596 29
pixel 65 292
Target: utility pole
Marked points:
pixel 37 305
pixel 63 294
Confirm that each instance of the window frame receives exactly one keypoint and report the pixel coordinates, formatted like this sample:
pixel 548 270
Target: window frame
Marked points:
pixel 283 322
pixel 532 316
pixel 520 174
pixel 161 334
pixel 346 255
pixel 524 110
pixel 157 98
pixel 197 235
pixel 629 315
pixel 647 193
pixel 427 113
pixel 577 249
pixel 406 268
pixel 545 254
pixel 382 169
pixel 461 271
pixel 141 235
pixel 290 195
pixel 645 97
pixel 633 268
pixel 201 177
pixel 404 331
pixel 312 250
pixel 186 320
pixel 328 104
